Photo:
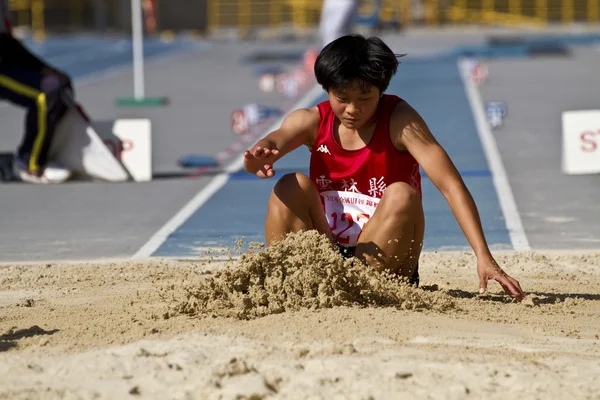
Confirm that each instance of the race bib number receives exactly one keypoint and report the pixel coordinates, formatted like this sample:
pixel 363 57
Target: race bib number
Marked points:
pixel 347 214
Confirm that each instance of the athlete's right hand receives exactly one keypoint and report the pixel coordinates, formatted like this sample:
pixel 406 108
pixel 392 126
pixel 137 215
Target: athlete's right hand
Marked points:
pixel 259 161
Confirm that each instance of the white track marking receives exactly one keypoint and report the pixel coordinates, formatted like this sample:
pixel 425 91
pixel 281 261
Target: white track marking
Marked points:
pixel 512 217
pixel 214 186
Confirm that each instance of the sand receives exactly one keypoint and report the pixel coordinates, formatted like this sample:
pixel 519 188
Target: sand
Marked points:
pixel 278 324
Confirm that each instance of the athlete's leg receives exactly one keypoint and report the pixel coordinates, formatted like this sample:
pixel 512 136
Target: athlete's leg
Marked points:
pixel 392 239
pixel 40 95
pixel 294 205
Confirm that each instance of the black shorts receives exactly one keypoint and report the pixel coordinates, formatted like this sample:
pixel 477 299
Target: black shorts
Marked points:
pixel 348 252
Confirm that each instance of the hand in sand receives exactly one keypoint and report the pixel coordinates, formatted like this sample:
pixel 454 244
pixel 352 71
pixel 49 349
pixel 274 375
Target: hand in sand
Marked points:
pixel 259 161
pixel 489 269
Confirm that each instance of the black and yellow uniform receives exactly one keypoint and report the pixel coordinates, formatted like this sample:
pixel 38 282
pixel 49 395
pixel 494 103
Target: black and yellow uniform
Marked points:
pixel 28 82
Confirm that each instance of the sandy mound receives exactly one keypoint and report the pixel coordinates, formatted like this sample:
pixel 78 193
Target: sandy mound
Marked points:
pixel 301 271
pixel 298 322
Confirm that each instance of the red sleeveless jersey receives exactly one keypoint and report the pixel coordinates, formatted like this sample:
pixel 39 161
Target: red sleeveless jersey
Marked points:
pixel 351 182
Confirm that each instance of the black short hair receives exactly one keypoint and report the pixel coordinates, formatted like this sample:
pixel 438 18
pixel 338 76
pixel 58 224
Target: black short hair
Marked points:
pixel 356 60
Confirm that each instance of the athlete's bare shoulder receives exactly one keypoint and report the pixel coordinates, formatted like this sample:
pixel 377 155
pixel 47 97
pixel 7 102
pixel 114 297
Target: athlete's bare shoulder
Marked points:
pixel 402 112
pixel 407 123
pixel 304 120
pixel 305 117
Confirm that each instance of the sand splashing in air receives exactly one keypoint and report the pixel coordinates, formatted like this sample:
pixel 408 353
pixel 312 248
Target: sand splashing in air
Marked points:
pixel 302 271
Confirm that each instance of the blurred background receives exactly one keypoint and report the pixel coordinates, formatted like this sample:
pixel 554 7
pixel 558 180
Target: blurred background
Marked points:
pixel 253 18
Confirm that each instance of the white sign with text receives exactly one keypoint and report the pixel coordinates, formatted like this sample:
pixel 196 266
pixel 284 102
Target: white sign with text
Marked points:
pixel 581 142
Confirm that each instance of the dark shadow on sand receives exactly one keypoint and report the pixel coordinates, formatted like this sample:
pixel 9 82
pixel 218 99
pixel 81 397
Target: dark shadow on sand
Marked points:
pixel 9 339
pixel 540 297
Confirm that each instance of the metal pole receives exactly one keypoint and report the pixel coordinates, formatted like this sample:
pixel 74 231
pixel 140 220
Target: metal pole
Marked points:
pixel 138 49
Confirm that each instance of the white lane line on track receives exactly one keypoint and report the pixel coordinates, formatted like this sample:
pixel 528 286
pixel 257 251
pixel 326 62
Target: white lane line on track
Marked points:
pixel 508 205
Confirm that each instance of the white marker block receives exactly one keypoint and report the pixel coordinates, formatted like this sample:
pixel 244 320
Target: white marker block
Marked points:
pixel 133 147
pixel 581 142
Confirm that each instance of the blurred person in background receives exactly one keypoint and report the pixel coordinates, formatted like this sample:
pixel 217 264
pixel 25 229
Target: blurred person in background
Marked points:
pixel 337 18
pixel 29 82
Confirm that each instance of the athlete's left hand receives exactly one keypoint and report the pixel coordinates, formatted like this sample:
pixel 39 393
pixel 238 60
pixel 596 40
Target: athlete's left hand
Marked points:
pixel 488 268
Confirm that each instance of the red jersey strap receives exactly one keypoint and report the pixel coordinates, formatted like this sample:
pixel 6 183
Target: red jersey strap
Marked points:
pixel 324 112
pixel 380 141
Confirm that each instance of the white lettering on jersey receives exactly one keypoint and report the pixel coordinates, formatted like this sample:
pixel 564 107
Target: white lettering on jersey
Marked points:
pixel 323 182
pixel 414 177
pixel 377 186
pixel 350 186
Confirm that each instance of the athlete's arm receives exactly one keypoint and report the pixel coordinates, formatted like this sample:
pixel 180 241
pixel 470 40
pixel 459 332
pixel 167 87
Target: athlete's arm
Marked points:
pixel 296 129
pixel 414 135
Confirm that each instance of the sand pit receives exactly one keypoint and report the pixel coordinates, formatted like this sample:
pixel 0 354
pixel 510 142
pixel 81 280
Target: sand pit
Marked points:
pixel 274 325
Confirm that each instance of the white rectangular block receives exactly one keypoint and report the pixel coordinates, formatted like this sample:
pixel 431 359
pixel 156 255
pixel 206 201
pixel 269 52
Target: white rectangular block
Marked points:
pixel 134 147
pixel 581 142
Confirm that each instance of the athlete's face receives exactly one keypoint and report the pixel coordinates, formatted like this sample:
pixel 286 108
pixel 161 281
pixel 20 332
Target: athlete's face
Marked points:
pixel 354 106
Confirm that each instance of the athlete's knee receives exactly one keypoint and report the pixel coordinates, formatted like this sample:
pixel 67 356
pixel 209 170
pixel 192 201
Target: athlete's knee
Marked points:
pixel 292 189
pixel 400 197
pixel 293 182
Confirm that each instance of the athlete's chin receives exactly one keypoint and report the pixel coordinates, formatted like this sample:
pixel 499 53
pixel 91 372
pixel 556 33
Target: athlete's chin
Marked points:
pixel 352 123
